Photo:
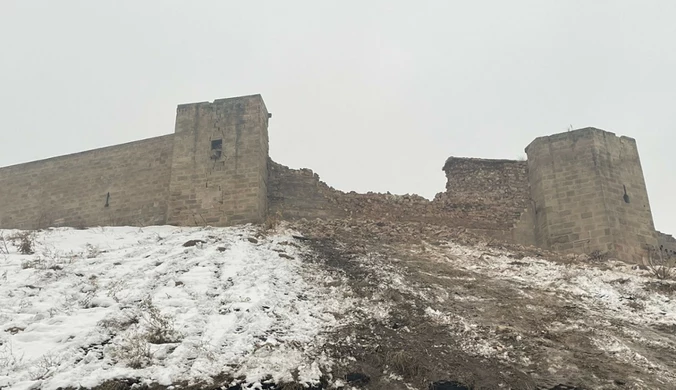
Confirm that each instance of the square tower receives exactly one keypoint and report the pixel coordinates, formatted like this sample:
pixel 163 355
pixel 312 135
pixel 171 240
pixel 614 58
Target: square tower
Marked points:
pixel 219 170
pixel 589 194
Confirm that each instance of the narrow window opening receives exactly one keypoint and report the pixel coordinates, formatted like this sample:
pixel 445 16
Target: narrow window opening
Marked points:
pixel 107 200
pixel 626 196
pixel 216 149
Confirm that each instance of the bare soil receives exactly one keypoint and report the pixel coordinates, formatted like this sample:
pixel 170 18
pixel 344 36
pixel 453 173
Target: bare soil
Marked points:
pixel 497 333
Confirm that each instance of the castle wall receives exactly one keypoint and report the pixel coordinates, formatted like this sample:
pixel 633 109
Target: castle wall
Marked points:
pixel 667 244
pixel 577 182
pixel 631 223
pixel 299 193
pixel 212 171
pixel 579 191
pixel 486 194
pixel 72 190
pixel 523 231
pixel 219 170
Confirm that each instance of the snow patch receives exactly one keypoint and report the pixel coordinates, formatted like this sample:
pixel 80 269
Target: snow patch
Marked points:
pixel 83 308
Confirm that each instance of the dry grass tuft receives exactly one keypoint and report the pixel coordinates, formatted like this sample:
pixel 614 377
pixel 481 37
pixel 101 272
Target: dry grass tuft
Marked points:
pixel 661 263
pixel 404 364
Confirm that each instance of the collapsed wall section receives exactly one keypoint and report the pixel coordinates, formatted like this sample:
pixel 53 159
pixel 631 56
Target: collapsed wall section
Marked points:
pixel 486 194
pixel 125 184
pixel 299 193
pixel 590 194
pixel 219 172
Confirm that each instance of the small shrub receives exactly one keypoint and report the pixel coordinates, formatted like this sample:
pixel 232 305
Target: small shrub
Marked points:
pixel 204 349
pixel 31 264
pixel 90 289
pixel 91 251
pixel 114 289
pixel 4 249
pixel 133 350
pixel 9 361
pixel 661 263
pixel 45 367
pixel 661 271
pixel 160 327
pixel 26 242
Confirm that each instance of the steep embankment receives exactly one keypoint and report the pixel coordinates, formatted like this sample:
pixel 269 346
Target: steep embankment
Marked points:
pixel 341 304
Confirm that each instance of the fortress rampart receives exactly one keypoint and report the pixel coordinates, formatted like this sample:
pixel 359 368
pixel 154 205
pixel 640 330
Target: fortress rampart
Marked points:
pixel 212 170
pixel 579 191
pixel 589 193
pixel 125 184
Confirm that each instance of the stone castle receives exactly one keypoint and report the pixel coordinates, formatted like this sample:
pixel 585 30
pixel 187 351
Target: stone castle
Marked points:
pixel 579 191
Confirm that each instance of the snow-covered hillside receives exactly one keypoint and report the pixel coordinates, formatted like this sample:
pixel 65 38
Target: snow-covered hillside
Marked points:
pixel 347 304
pixel 103 303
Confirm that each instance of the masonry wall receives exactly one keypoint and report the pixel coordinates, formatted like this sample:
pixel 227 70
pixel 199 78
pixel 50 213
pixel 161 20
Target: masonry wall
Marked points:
pixel 299 193
pixel 631 222
pixel 212 170
pixel 580 191
pixel 73 190
pixel 226 184
pixel 577 180
pixel 667 244
pixel 486 194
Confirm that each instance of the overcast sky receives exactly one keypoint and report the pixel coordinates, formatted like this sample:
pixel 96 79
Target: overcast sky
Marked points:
pixel 372 95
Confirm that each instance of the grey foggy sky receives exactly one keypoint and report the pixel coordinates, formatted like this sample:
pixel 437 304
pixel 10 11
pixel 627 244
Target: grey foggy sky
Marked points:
pixel 372 95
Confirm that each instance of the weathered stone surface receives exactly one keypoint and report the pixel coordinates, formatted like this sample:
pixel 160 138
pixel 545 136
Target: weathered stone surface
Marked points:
pixel 120 185
pixel 493 202
pixel 219 170
pixel 580 191
pixel 175 179
pixel 589 194
pixel 492 194
pixel 299 193
pixel 667 243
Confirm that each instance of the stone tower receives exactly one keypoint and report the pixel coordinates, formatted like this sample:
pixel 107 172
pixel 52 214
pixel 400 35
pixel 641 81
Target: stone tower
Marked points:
pixel 589 194
pixel 219 169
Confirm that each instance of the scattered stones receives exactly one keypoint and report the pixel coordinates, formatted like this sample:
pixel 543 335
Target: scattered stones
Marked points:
pixel 447 385
pixel 193 243
pixel 293 244
pixel 417 234
pixel 14 330
pixel 285 256
pixel 357 379
pixel 252 240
